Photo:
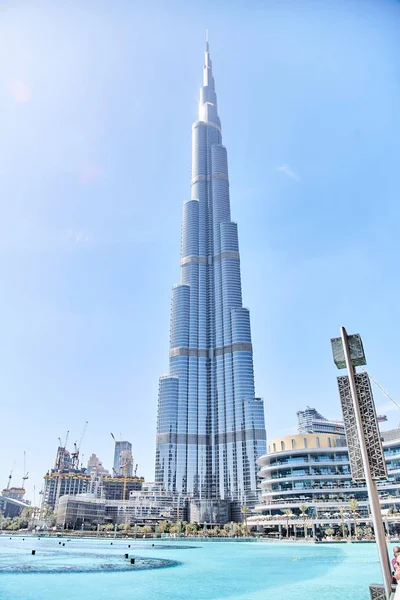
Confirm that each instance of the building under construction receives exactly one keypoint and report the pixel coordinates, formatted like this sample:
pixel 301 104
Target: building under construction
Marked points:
pixel 69 478
pixel 119 488
pixel 64 479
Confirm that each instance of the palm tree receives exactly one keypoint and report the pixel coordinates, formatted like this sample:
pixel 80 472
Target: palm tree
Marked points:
pixel 304 514
pixel 342 511
pixel 245 510
pixel 353 505
pixel 288 514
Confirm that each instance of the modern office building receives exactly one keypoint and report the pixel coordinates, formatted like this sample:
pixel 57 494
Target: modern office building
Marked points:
pixel 123 459
pixel 80 511
pixel 148 505
pixel 211 426
pixel 12 501
pixel 311 421
pixel 313 470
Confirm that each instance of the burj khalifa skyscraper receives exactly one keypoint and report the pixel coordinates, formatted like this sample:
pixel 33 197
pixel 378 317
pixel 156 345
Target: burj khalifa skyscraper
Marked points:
pixel 210 425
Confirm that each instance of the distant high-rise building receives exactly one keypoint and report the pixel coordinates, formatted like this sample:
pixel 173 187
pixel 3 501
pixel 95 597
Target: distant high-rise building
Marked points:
pixel 96 466
pixel 311 421
pixel 64 479
pixel 211 426
pixel 122 457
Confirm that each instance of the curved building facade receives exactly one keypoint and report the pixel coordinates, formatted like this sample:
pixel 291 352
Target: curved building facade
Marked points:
pixel 314 470
pixel 208 445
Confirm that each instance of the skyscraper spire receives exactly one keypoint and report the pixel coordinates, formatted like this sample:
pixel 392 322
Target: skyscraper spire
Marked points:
pixel 210 428
pixel 208 97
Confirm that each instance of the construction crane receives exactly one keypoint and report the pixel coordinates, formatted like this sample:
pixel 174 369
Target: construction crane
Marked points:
pixel 66 440
pixel 9 479
pixel 26 474
pixel 381 388
pixel 75 453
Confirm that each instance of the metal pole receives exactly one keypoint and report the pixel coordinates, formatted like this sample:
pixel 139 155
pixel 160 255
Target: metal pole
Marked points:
pixel 371 486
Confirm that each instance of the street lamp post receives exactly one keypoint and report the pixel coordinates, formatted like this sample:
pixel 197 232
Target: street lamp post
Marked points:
pixel 366 455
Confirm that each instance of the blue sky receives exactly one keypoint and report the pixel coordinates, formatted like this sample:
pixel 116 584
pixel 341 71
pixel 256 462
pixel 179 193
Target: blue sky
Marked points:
pixel 97 101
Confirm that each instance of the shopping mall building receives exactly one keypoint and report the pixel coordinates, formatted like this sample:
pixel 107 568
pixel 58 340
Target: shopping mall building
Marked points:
pixel 309 475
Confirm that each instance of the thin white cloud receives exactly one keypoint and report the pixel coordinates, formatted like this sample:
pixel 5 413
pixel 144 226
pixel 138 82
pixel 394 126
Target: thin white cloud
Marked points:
pixel 285 170
pixel 20 91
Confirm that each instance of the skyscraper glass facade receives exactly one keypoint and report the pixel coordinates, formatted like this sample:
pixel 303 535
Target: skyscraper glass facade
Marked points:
pixel 211 426
pixel 122 456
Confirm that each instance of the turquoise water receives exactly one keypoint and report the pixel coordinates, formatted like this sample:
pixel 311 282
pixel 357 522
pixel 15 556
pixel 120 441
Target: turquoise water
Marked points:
pixel 194 570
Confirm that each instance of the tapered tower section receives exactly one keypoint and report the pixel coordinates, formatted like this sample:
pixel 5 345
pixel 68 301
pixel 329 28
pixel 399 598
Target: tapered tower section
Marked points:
pixel 211 426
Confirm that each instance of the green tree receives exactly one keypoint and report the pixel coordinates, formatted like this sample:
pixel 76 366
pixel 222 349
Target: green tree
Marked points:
pixel 146 529
pixel 27 513
pixel 192 528
pixel 174 529
pixel 184 524
pixel 288 514
pixel 163 527
pixel 244 511
pixel 48 515
pixel 5 522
